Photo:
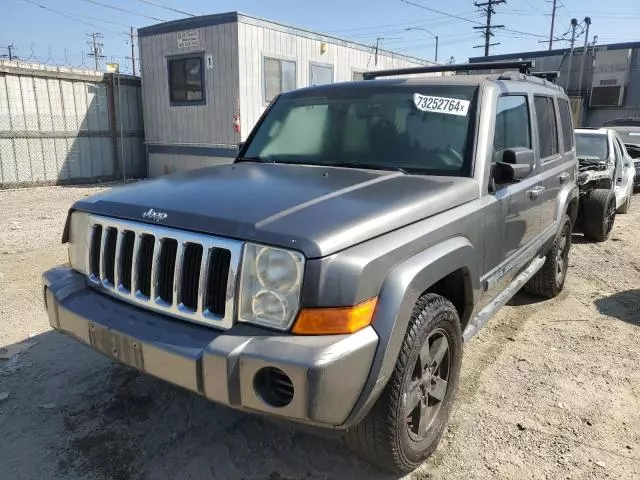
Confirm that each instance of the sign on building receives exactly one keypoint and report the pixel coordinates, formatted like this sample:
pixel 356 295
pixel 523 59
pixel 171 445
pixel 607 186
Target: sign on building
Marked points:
pixel 188 39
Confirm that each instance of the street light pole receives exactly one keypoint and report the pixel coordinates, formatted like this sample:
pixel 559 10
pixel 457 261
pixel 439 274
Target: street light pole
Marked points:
pixel 434 36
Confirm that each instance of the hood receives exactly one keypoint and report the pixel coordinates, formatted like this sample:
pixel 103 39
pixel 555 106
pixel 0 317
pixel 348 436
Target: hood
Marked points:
pixel 317 210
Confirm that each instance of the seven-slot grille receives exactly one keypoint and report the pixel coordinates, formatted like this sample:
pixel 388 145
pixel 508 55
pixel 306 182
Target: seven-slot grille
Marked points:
pixel 186 275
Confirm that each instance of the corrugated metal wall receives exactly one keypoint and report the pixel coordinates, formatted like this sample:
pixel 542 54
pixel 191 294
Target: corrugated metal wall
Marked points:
pixel 56 127
pixel 257 41
pixel 205 125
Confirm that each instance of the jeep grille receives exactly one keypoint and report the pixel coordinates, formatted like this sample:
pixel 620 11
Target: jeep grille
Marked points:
pixel 186 275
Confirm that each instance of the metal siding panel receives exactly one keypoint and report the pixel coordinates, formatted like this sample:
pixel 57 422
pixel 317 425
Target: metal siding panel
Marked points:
pixel 49 160
pixel 80 102
pixel 44 106
pixel 102 106
pixel 7 161
pixel 219 87
pixel 61 158
pixel 23 163
pixel 91 116
pixel 37 160
pixel 16 112
pixel 86 162
pixel 74 161
pixel 68 106
pixel 5 116
pixel 29 104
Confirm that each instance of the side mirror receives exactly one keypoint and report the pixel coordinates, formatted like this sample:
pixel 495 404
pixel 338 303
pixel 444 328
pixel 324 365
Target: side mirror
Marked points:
pixel 516 165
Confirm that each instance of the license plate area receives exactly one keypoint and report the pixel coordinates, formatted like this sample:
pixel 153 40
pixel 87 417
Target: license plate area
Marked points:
pixel 116 345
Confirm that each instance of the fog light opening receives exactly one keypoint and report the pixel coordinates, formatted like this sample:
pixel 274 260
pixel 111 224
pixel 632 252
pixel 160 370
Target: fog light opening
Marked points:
pixel 273 386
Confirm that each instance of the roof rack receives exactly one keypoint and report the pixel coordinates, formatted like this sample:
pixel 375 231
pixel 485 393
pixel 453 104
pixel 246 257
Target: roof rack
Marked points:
pixel 552 76
pixel 523 66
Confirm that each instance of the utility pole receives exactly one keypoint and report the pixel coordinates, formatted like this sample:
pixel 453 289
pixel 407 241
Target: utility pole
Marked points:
pixel 553 24
pixel 574 25
pixel 378 40
pixel 587 22
pixel 488 11
pixel 96 48
pixel 132 37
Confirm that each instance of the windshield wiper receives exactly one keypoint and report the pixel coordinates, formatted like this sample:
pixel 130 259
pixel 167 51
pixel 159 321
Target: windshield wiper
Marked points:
pixel 370 166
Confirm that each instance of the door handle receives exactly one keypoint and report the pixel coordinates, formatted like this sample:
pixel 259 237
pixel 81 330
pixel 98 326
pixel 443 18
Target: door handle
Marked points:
pixel 563 177
pixel 535 192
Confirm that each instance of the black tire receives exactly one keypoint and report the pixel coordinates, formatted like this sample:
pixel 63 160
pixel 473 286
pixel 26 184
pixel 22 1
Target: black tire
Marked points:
pixel 387 437
pixel 549 280
pixel 624 208
pixel 599 214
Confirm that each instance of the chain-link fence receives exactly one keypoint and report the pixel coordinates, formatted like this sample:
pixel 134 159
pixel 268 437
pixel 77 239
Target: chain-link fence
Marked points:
pixel 64 125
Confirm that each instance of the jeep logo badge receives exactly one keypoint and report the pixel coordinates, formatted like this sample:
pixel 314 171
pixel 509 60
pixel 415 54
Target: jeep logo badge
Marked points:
pixel 151 214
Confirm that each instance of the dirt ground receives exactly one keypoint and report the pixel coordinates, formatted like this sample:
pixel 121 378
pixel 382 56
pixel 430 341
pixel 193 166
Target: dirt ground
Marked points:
pixel 549 390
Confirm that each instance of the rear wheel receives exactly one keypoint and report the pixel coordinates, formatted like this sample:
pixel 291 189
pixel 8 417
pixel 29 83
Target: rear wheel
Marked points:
pixel 549 280
pixel 599 214
pixel 405 425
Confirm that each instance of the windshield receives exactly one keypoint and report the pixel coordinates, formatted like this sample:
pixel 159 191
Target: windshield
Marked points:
pixel 592 146
pixel 419 130
pixel 629 134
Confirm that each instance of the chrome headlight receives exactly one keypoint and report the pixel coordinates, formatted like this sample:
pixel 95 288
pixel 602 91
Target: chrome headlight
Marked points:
pixel 78 233
pixel 270 285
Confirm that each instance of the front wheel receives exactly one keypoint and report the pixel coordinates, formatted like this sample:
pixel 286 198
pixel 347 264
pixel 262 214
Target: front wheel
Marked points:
pixel 599 214
pixel 405 425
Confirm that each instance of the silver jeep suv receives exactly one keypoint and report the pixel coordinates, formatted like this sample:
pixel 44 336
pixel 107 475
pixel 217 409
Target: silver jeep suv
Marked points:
pixel 332 273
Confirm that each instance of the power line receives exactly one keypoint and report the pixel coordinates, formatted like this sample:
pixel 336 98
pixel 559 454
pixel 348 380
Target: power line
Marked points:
pixel 69 16
pixel 131 12
pixel 469 20
pixel 149 2
pixel 488 28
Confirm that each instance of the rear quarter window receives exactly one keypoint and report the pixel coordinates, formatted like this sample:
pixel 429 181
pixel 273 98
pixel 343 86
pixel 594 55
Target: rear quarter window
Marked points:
pixel 566 123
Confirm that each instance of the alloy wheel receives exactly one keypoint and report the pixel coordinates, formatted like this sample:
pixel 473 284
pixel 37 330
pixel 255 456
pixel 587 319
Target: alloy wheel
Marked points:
pixel 427 387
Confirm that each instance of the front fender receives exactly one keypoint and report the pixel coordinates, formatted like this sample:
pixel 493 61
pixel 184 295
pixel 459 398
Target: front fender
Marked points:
pixel 400 291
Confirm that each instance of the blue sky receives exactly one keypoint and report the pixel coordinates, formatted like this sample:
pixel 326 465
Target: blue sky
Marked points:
pixel 42 34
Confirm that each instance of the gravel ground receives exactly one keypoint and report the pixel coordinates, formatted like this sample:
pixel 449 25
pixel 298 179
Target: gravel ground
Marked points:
pixel 549 390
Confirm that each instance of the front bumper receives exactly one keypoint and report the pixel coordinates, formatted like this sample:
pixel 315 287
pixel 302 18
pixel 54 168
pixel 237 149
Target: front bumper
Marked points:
pixel 327 372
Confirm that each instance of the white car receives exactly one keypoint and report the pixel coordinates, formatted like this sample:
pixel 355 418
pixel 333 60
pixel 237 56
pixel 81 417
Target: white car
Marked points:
pixel 605 164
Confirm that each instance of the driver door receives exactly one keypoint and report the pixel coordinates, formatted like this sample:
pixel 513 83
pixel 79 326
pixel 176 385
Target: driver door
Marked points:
pixel 519 205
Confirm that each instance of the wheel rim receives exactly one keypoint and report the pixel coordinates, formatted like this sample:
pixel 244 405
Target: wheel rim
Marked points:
pixel 561 256
pixel 428 386
pixel 610 217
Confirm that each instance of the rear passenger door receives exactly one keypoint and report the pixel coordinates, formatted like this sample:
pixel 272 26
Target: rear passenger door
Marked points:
pixel 553 163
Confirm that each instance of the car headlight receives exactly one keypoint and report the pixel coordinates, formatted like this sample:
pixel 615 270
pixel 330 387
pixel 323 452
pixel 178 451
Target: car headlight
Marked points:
pixel 271 280
pixel 78 232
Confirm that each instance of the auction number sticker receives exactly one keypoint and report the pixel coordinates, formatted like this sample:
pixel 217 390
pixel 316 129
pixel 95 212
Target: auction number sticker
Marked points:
pixel 450 106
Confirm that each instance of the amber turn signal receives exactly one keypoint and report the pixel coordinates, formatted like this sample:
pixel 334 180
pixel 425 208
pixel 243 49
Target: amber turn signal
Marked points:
pixel 332 321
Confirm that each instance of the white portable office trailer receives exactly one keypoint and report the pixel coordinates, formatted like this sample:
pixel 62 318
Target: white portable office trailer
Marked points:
pixel 206 80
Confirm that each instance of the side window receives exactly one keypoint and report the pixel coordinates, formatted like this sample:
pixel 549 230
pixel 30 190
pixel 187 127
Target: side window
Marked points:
pixel 186 81
pixel 321 74
pixel 279 76
pixel 623 149
pixel 567 124
pixel 512 125
pixel 547 127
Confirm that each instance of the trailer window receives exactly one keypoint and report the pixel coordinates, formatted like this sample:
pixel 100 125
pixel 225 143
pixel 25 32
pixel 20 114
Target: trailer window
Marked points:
pixel 279 76
pixel 321 74
pixel 186 81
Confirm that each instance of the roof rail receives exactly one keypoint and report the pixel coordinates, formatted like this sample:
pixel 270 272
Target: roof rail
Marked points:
pixel 523 66
pixel 552 76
